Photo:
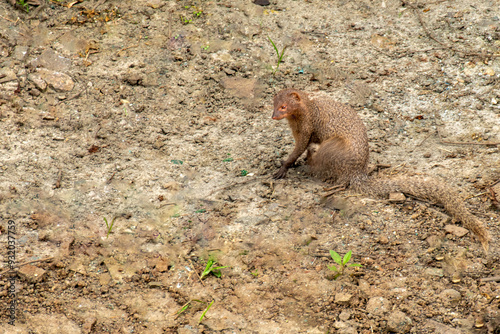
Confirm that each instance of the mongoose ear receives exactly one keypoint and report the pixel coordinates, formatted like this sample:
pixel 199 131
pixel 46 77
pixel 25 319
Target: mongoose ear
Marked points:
pixel 295 96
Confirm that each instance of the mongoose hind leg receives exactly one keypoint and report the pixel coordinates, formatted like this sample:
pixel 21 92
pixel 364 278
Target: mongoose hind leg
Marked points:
pixel 333 161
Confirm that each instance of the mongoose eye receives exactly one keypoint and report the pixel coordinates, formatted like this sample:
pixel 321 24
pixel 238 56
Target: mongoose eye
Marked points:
pixel 283 107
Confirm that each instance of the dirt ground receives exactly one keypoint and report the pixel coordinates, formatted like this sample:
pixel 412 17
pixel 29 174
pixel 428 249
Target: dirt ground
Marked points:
pixel 156 115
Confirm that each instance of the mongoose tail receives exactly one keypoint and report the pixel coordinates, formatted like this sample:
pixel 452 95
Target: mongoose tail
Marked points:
pixel 427 189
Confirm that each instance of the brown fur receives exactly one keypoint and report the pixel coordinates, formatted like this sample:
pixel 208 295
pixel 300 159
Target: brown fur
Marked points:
pixel 337 151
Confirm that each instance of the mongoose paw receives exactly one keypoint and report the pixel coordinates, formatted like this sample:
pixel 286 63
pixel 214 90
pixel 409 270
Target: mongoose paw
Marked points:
pixel 280 174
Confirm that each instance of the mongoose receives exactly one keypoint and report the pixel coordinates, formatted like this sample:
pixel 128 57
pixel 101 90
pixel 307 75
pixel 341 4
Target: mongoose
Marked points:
pixel 337 151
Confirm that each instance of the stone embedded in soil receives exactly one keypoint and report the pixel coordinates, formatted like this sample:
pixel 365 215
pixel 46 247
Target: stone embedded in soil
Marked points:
pixel 397 197
pixel 434 241
pixel 37 80
pixel 51 60
pixel 31 273
pixel 7 75
pixel 378 306
pixel 456 230
pixel 240 87
pixel 434 272
pixel 343 298
pixel 398 322
pixel 60 82
pixel 450 297
pixel 383 240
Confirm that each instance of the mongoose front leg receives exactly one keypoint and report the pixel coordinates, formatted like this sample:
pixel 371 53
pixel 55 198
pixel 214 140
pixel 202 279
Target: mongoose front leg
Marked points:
pixel 297 152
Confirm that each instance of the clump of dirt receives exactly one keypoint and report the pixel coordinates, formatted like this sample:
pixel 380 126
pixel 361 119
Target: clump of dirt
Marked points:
pixel 156 115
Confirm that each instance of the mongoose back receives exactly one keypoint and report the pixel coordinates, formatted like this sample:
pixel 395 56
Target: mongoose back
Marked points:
pixel 337 151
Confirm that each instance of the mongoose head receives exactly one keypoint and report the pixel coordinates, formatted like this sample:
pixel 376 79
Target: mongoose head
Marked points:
pixel 287 104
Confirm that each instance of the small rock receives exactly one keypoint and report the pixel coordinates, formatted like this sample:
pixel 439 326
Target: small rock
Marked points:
pixel 262 2
pixel 343 298
pixel 7 75
pixel 397 197
pixel 51 60
pixel 20 52
pixel 456 230
pixel 398 322
pixel 345 315
pixel 378 306
pixel 58 81
pixel 37 80
pixel 383 240
pixel 434 272
pixel 31 273
pixel 434 241
pixel 427 155
pixel 89 324
pixel 450 297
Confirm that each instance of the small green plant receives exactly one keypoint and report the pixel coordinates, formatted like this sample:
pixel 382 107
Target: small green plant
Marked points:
pixel 210 268
pixel 228 159
pixel 278 54
pixel 205 47
pixel 185 20
pixel 244 172
pixel 189 303
pixel 342 263
pixel 177 162
pixel 206 310
pixel 108 226
pixel 255 273
pixel 197 13
pixel 24 4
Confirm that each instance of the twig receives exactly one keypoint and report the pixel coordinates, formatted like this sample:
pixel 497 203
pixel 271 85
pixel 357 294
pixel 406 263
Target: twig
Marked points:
pixel 491 279
pixel 430 134
pixel 57 185
pixel 194 269
pixel 111 178
pixel 472 196
pixel 468 143
pixel 25 263
pixel 235 185
pixel 128 47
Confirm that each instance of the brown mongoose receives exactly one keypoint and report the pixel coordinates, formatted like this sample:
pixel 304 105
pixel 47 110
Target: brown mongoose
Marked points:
pixel 337 144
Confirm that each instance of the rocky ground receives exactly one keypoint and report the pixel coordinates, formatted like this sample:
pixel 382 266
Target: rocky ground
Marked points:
pixel 156 115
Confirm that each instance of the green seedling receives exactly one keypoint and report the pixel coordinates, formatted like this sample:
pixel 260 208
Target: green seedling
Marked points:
pixel 244 172
pixel 109 226
pixel 185 20
pixel 205 47
pixel 228 159
pixel 342 263
pixel 189 303
pixel 206 310
pixel 177 162
pixel 280 56
pixel 210 268
pixel 24 4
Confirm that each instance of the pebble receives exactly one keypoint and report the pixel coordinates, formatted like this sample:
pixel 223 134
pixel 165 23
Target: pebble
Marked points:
pixel 399 322
pixel 343 298
pixel 434 272
pixel 37 80
pixel 450 297
pixel 31 273
pixel 397 197
pixel 60 82
pixel 456 230
pixel 378 306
